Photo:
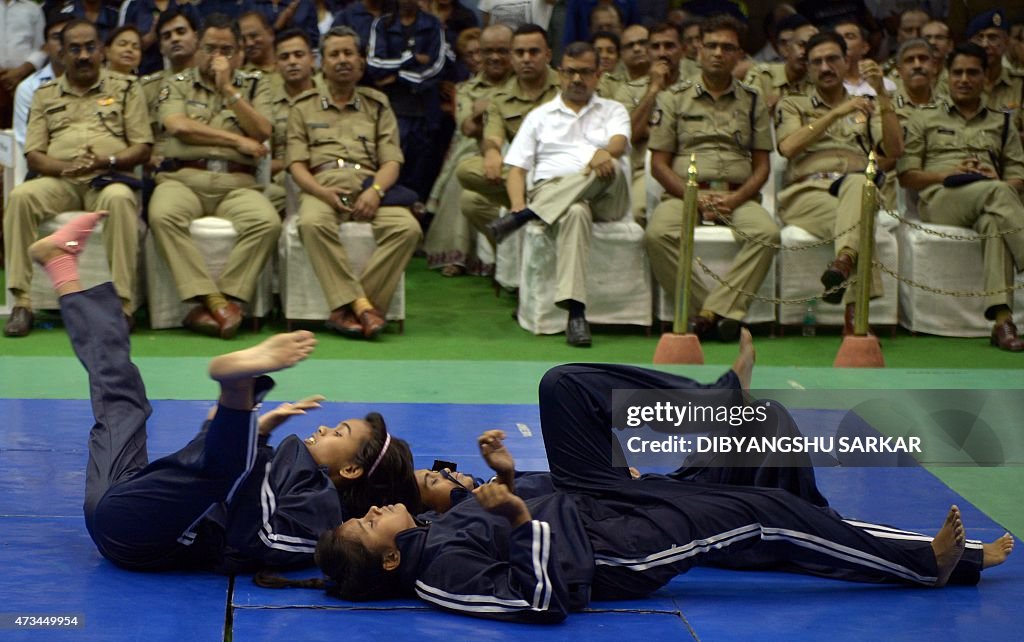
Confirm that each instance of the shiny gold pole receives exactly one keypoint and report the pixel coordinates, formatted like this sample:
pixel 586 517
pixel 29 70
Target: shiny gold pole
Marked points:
pixel 684 271
pixel 868 209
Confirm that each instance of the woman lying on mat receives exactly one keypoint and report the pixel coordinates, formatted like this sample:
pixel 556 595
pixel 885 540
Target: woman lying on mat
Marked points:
pixel 603 535
pixel 226 501
pixel 443 487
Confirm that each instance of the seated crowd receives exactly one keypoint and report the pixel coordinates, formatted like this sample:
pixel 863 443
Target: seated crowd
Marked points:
pixel 425 119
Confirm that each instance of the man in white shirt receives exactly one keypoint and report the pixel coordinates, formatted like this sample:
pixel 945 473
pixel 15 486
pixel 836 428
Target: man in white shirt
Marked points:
pixel 857 47
pixel 573 145
pixel 53 69
pixel 21 37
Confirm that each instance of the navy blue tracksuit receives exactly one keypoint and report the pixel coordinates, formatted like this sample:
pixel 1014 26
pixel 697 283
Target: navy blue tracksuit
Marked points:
pixel 225 502
pixel 602 535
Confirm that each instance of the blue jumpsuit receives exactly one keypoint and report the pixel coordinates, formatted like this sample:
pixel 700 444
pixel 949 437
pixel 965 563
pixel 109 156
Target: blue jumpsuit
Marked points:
pixel 225 502
pixel 602 535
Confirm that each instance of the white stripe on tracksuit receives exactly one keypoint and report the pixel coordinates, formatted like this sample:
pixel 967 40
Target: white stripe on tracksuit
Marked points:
pixel 798 538
pixel 189 536
pixel 540 550
pixel 887 532
pixel 274 540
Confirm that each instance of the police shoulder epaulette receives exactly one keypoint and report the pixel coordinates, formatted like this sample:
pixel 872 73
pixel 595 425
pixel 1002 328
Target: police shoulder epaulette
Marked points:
pixel 682 85
pixel 750 89
pixel 154 77
pixel 49 83
pixel 182 77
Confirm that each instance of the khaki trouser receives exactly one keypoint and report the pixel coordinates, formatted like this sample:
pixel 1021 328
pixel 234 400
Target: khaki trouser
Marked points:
pixel 572 203
pixel 188 194
pixel 748 270
pixel 45 197
pixel 989 207
pixel 481 199
pixel 394 228
pixel 809 205
pixel 640 197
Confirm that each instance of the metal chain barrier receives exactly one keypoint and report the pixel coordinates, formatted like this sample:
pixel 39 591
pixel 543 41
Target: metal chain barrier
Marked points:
pixel 720 218
pixel 956 293
pixel 708 271
pixel 952 237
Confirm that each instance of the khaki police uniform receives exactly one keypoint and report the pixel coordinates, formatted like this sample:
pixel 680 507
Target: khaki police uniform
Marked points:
pixel 481 198
pixel 841 151
pixel 151 84
pixel 938 138
pixel 630 93
pixel 1007 94
pixel 281 106
pixel 722 133
pixel 110 116
pixel 211 180
pixel 770 80
pixel 358 137
pixel 904 108
pixel 450 239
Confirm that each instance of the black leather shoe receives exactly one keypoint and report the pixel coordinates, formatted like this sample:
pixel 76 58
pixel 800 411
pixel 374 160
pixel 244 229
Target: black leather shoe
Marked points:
pixel 728 330
pixel 501 228
pixel 838 272
pixel 577 333
pixel 20 322
pixel 702 326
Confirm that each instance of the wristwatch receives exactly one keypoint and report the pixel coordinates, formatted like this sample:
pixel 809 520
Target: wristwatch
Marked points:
pixel 235 97
pixel 112 162
pixel 380 190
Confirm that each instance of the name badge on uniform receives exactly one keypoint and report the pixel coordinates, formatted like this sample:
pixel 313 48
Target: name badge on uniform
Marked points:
pixel 324 103
pixel 943 130
pixel 165 93
pixel 105 101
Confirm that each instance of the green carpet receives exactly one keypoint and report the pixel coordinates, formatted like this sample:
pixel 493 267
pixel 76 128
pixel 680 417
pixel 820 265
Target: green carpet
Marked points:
pixel 462 319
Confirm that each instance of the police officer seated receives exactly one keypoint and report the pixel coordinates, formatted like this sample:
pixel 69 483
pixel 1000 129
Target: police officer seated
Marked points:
pixel 86 132
pixel 215 120
pixel 344 154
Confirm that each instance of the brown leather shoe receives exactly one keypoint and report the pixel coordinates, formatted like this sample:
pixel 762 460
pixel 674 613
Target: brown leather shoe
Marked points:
pixel 839 271
pixel 373 322
pixel 200 321
pixel 344 322
pixel 20 322
pixel 228 317
pixel 1004 336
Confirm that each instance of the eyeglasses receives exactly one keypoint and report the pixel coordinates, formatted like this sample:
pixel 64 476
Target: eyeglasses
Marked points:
pixel 445 473
pixel 89 47
pixel 225 50
pixel 725 47
pixel 582 73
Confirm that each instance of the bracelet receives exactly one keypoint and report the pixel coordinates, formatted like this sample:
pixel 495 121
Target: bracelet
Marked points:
pixel 234 99
pixel 380 190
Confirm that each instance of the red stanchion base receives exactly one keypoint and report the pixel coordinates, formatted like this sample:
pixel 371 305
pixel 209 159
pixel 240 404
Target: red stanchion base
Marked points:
pixel 679 348
pixel 859 352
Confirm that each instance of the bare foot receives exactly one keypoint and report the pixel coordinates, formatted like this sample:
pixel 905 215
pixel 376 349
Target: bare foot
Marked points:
pixel 276 353
pixel 995 553
pixel 948 545
pixel 743 366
